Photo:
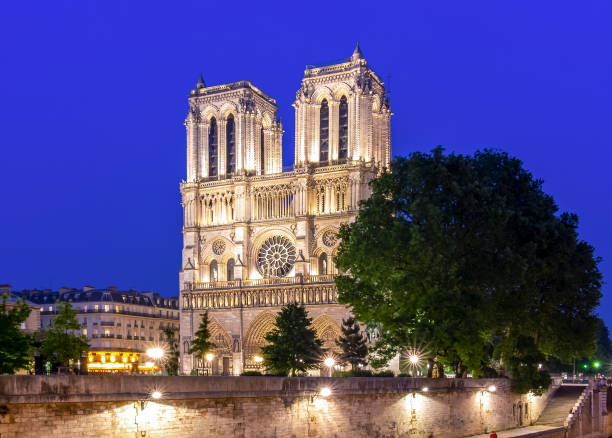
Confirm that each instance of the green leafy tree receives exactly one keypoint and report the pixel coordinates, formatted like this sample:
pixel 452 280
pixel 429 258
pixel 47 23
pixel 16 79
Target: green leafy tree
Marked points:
pixel 200 345
pixel 60 344
pixel 353 344
pixel 293 346
pixel 15 345
pixel 173 354
pixel 468 255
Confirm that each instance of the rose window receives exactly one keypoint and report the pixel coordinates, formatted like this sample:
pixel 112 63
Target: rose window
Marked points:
pixel 330 238
pixel 218 247
pixel 276 257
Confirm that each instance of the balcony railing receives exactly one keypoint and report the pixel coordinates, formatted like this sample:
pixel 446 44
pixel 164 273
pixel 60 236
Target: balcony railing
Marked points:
pixel 274 281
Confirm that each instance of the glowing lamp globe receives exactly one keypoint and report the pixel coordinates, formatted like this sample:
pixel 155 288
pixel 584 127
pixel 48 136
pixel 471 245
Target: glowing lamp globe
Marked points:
pixel 414 359
pixel 209 356
pixel 155 353
pixel 329 362
pixel 325 392
pixel 156 395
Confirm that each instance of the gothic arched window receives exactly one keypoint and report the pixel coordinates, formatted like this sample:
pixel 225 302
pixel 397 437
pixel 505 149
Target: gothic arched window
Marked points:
pixel 230 269
pixel 214 271
pixel 323 264
pixel 212 147
pixel 262 156
pixel 343 129
pixel 230 145
pixel 324 132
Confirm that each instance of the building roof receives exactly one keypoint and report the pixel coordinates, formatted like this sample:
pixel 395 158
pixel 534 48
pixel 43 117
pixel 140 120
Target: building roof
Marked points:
pixel 110 295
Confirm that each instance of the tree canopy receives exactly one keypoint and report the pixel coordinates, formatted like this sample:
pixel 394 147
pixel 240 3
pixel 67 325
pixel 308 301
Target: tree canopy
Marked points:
pixel 294 347
pixel 14 343
pixel 468 254
pixel 60 344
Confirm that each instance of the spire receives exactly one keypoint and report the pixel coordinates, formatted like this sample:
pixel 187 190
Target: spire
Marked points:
pixel 200 83
pixel 357 53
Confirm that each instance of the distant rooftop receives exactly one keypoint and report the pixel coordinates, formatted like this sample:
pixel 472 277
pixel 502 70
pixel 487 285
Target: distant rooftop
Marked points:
pixel 90 294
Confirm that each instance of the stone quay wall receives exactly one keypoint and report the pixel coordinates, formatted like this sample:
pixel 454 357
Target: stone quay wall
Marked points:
pixel 121 406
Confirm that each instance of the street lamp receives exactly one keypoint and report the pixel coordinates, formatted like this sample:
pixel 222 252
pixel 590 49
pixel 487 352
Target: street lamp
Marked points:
pixel 155 353
pixel 329 363
pixel 258 359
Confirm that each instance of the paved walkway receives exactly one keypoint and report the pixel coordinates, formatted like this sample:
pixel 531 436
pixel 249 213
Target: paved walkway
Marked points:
pixel 521 431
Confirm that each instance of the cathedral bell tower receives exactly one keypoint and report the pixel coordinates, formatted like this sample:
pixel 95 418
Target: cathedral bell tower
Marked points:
pixel 342 115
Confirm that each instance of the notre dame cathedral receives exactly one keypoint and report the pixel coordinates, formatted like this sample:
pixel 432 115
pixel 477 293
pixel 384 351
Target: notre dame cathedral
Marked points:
pixel 257 236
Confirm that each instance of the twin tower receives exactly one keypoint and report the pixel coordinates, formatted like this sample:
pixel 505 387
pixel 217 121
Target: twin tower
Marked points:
pixel 256 237
pixel 341 115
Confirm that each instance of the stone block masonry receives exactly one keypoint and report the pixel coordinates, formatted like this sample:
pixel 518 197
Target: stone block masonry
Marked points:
pixel 121 406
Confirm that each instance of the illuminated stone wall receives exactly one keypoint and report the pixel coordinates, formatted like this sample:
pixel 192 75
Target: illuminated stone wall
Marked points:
pixel 109 406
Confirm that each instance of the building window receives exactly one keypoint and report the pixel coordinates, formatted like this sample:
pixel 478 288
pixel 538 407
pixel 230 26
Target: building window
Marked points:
pixel 262 154
pixel 212 147
pixel 85 332
pixel 323 264
pixel 84 307
pixel 230 145
pixel 230 269
pixel 106 307
pixel 324 132
pixel 116 309
pixel 96 308
pixel 343 129
pixel 213 271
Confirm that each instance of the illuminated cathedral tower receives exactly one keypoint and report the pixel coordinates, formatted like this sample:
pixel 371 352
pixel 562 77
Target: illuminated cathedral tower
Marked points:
pixel 257 238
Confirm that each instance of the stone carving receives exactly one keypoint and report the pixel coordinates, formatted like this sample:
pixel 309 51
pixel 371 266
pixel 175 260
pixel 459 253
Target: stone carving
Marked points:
pixel 218 247
pixel 330 238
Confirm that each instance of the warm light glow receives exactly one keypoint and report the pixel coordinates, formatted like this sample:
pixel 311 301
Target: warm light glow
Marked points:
pixel 329 362
pixel 91 358
pixel 124 359
pixel 149 365
pixel 112 358
pixel 103 358
pixel 156 395
pixel 257 358
pixel 425 389
pixel 209 356
pixel 492 388
pixel 414 359
pixel 155 353
pixel 325 392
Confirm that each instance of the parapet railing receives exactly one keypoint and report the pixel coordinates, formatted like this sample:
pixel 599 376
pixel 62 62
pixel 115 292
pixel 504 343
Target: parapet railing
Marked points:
pixel 273 281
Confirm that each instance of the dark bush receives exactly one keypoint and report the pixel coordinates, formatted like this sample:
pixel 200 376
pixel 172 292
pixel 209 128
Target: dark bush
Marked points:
pixel 251 373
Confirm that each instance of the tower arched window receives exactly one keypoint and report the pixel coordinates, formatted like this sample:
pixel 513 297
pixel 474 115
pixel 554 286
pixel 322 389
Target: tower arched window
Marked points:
pixel 230 269
pixel 213 141
pixel 262 154
pixel 323 264
pixel 324 132
pixel 343 129
pixel 214 271
pixel 230 145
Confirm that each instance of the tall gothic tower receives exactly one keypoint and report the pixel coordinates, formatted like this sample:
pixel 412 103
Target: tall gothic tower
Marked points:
pixel 257 238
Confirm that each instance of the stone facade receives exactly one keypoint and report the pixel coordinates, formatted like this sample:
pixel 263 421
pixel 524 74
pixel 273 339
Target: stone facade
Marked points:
pixel 119 406
pixel 256 237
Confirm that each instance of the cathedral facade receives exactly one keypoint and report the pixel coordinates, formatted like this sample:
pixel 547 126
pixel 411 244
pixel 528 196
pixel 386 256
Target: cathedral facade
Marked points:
pixel 257 236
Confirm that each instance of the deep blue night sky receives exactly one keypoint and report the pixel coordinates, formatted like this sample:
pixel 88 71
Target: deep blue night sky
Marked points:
pixel 94 94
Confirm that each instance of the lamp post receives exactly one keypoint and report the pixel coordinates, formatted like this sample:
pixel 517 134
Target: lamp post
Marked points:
pixel 329 363
pixel 155 353
pixel 209 357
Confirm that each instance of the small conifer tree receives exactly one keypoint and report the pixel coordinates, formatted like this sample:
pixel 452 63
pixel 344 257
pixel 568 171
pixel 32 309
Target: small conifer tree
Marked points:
pixel 200 345
pixel 172 362
pixel 352 343
pixel 294 347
